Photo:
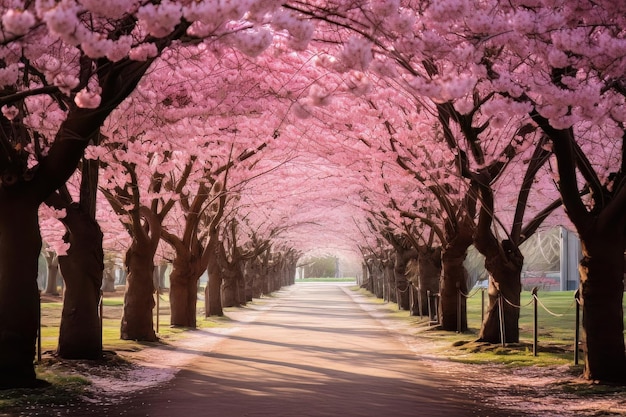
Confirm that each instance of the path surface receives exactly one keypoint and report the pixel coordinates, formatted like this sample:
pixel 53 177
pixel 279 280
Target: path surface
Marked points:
pixel 313 351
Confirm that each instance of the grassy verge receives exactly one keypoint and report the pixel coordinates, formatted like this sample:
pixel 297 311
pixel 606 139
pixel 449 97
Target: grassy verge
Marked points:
pixel 64 389
pixel 556 332
pixel 66 383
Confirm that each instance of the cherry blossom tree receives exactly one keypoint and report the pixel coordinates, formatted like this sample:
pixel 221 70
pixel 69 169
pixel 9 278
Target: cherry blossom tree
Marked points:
pixel 65 67
pixel 501 83
pixel 563 62
pixel 584 120
pixel 82 265
pixel 560 62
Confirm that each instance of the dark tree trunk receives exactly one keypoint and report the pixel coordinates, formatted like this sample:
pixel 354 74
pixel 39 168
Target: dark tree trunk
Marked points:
pixel 250 280
pixel 264 273
pixel 402 258
pixel 20 245
pixel 256 270
pixel 389 290
pixel 213 295
pixel 601 294
pixel 273 274
pixel 453 285
pixel 601 230
pixel 503 261
pixel 265 282
pixel 21 193
pixel 428 275
pixel 80 333
pixel 241 288
pixel 459 236
pixel 378 277
pixel 367 278
pixel 213 290
pixel 183 292
pixel 230 290
pixel 137 319
pixel 504 281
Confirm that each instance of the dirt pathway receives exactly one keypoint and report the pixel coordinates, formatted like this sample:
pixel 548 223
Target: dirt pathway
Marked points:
pixel 311 352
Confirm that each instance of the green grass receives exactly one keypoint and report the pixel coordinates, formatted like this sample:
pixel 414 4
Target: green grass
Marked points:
pixel 63 389
pixel 556 333
pixel 65 386
pixel 556 338
pixel 556 329
pixel 112 314
pixel 113 302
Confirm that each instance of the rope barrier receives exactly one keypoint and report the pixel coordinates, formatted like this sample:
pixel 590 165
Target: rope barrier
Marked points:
pixel 571 306
pixel 515 305
pixel 472 294
pixel 552 313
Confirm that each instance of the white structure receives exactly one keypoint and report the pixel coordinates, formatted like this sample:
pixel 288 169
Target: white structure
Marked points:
pixel 551 260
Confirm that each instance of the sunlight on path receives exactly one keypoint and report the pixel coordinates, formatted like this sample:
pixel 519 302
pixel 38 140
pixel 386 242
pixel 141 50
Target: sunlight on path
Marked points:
pixel 312 351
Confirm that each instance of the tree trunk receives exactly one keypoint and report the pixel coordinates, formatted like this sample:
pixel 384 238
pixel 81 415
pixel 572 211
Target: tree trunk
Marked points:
pixel 213 290
pixel 367 277
pixel 20 240
pixel 377 277
pixel 213 295
pixel 137 319
pixel 230 294
pixel 108 279
pixel 249 280
pixel 20 245
pixel 272 276
pixel 428 275
pixel 453 281
pixel 601 294
pixel 292 267
pixel 459 236
pixel 241 288
pixel 52 262
pixel 389 290
pixel 256 269
pixel 80 333
pixel 183 292
pixel 401 260
pixel 504 281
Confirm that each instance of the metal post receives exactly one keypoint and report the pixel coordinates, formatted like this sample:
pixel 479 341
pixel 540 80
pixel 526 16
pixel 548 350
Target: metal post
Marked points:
pixel 436 305
pixel 101 311
pixel 410 290
pixel 420 302
pixel 157 309
pixel 577 333
pixel 501 308
pixel 535 326
pixel 430 316
pixel 459 322
pixel 482 306
pixel 39 332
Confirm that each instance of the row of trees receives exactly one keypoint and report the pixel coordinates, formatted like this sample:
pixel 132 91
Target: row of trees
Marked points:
pixel 384 126
pixel 508 111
